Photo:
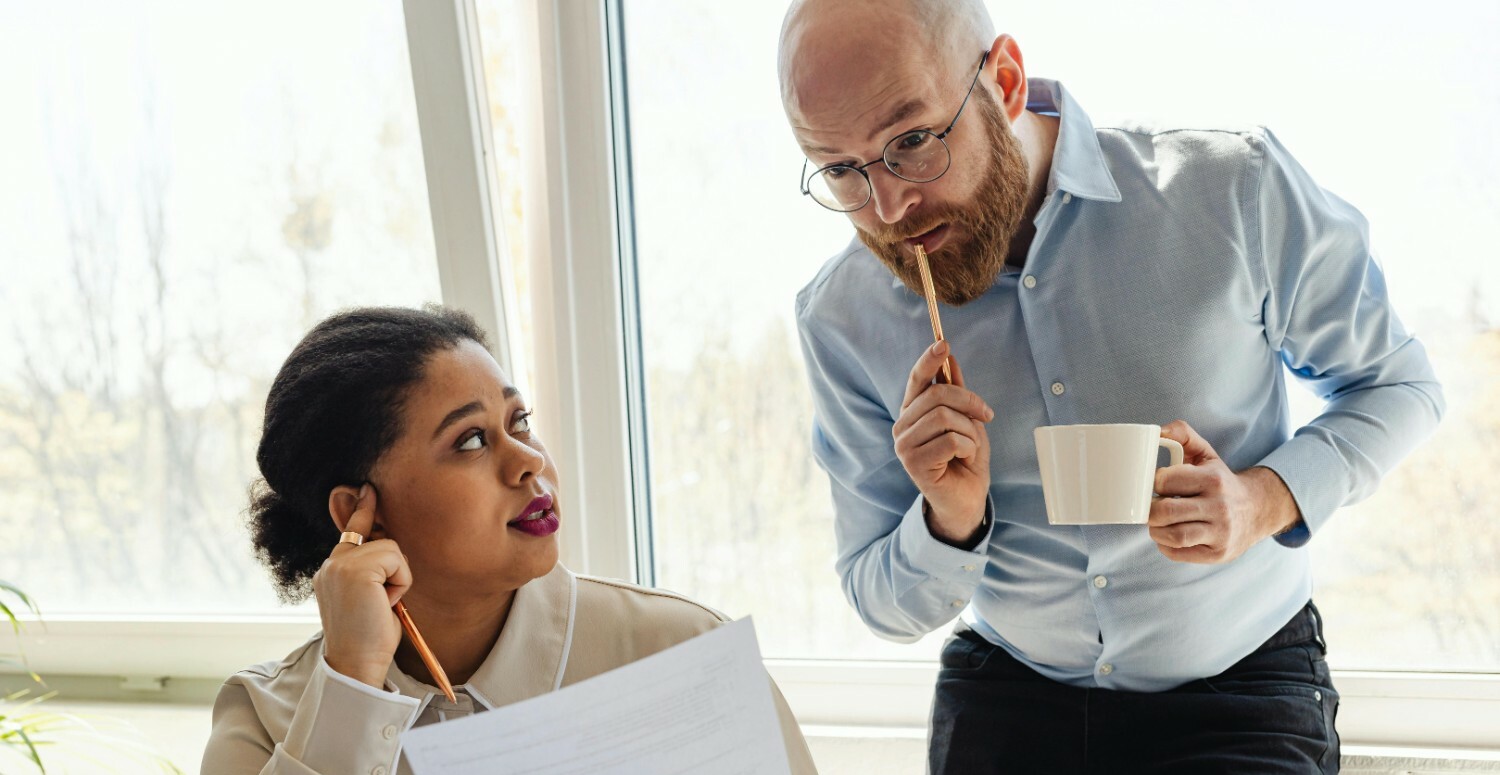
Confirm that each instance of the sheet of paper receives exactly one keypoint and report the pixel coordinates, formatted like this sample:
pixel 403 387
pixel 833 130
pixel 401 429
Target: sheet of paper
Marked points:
pixel 702 706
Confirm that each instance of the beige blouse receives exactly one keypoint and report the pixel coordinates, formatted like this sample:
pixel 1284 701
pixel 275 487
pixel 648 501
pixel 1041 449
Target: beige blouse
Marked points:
pixel 300 716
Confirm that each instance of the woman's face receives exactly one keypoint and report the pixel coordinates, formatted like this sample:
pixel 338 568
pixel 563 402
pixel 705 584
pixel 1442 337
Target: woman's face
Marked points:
pixel 467 491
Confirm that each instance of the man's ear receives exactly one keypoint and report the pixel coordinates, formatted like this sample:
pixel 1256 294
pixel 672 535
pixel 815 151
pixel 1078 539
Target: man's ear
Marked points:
pixel 1007 70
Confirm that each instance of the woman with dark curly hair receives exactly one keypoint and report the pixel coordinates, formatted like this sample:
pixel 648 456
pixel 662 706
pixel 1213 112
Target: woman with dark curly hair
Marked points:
pixel 397 425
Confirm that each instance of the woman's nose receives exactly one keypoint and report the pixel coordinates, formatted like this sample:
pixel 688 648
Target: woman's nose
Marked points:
pixel 520 461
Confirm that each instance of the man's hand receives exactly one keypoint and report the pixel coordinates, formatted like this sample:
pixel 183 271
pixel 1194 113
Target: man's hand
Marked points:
pixel 942 443
pixel 1210 514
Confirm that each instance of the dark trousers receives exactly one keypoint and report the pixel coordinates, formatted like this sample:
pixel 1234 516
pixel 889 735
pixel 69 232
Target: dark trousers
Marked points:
pixel 1272 712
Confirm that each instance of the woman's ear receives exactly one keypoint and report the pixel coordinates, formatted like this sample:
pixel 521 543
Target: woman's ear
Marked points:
pixel 344 501
pixel 341 504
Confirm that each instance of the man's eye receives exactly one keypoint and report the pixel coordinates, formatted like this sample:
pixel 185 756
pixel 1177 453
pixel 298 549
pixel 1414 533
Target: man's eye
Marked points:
pixel 913 140
pixel 834 173
pixel 522 423
pixel 474 441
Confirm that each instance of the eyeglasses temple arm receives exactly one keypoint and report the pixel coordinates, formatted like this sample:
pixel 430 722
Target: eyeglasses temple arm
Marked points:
pixel 982 59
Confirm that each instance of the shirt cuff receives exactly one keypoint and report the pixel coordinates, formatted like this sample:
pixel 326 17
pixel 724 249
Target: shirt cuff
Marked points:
pixel 344 725
pixel 938 560
pixel 1297 535
pixel 1317 479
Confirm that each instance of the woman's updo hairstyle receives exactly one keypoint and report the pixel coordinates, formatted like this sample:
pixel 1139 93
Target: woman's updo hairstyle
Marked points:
pixel 333 410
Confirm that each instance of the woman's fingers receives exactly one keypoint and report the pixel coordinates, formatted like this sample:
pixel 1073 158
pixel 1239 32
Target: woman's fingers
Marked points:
pixel 398 580
pixel 361 521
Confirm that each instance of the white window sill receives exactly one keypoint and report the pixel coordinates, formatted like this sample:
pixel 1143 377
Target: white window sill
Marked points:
pixel 1411 710
pixel 180 730
pixel 1420 710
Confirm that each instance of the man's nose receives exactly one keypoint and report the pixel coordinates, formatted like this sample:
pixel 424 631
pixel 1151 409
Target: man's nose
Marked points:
pixel 892 197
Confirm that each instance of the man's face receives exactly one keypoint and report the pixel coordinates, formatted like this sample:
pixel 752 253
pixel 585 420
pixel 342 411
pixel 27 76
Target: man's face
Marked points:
pixel 965 219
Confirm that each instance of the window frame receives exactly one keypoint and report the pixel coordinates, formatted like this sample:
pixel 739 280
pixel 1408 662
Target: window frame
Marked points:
pixel 587 351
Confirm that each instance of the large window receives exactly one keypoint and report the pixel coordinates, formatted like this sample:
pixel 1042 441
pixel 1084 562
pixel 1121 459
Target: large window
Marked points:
pixel 1393 115
pixel 185 189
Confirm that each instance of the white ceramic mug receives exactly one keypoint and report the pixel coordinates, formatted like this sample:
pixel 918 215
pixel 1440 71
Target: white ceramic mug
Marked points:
pixel 1100 474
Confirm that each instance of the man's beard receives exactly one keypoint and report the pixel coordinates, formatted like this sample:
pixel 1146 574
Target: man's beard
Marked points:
pixel 980 233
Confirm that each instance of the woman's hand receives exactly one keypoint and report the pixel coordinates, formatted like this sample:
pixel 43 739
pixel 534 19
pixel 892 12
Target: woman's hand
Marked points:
pixel 356 588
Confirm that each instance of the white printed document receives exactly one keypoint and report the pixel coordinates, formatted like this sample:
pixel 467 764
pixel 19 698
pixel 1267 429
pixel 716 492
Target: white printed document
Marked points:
pixel 702 706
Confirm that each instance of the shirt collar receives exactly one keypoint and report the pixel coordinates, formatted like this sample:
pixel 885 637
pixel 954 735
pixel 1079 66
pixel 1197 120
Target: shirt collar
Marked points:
pixel 529 657
pixel 1078 165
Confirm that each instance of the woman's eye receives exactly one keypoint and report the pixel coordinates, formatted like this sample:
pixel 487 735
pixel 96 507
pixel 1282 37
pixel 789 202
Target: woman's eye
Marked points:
pixel 522 423
pixel 474 442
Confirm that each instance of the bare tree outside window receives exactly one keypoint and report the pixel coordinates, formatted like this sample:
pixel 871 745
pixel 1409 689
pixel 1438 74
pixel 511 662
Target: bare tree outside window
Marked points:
pixel 194 211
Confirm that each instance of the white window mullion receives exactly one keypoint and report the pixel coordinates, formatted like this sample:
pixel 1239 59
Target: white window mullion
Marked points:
pixel 570 213
pixel 452 110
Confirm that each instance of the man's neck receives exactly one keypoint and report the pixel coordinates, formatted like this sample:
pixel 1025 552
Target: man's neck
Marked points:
pixel 1038 136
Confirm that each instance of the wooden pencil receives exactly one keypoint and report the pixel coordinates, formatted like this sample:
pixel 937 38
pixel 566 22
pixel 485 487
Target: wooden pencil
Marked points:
pixel 428 658
pixel 932 311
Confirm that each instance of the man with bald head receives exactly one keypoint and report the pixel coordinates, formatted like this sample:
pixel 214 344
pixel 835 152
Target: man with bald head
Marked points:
pixel 1131 274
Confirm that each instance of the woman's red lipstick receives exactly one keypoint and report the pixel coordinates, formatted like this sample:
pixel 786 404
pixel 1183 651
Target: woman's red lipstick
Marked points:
pixel 539 519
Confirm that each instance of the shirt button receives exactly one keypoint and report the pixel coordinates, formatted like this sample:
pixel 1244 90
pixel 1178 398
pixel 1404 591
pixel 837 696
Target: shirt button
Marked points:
pixel 1058 389
pixel 1067 197
pixel 957 604
pixel 379 770
pixel 969 568
pixel 1100 582
pixel 1029 281
pixel 1106 668
pixel 389 732
pixel 1318 696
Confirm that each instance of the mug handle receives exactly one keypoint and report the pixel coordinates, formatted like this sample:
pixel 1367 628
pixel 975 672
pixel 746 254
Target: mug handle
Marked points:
pixel 1174 452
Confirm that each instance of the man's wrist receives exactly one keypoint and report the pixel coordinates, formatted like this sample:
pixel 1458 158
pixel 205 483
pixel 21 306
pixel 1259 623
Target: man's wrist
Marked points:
pixel 966 543
pixel 1280 511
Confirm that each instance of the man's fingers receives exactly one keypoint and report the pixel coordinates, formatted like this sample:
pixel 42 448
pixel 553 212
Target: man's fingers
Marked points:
pixel 1202 555
pixel 1194 448
pixel 940 420
pixel 1182 535
pixel 959 399
pixel 924 371
pixel 939 452
pixel 1171 511
pixel 1185 480
pixel 958 373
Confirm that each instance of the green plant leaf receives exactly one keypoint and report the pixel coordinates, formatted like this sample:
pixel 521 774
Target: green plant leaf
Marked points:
pixel 6 586
pixel 36 758
pixel 28 731
pixel 14 623
pixel 32 674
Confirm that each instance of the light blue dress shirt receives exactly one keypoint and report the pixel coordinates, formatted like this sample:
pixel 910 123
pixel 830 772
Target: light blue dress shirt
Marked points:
pixel 1173 274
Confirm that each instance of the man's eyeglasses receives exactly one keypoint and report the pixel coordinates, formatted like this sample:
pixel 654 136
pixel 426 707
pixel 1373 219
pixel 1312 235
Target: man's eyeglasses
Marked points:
pixel 918 156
